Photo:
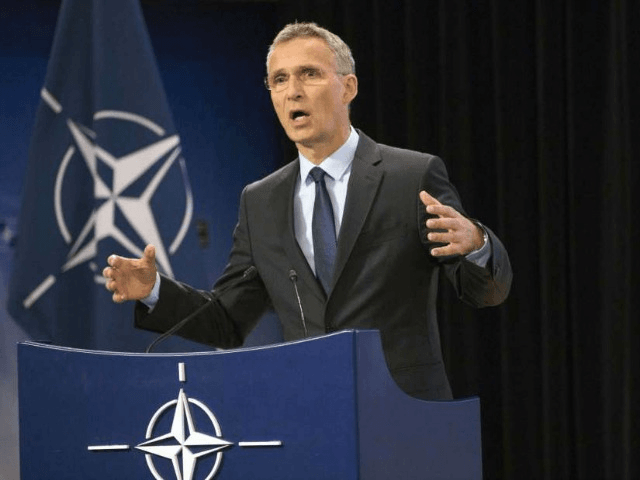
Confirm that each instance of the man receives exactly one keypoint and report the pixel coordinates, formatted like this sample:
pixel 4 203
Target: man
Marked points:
pixel 359 244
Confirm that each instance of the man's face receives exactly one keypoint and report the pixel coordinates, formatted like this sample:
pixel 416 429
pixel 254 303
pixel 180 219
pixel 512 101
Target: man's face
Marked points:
pixel 314 116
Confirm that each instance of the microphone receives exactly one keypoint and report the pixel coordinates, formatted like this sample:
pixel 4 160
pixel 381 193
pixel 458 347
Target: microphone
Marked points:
pixel 248 274
pixel 293 276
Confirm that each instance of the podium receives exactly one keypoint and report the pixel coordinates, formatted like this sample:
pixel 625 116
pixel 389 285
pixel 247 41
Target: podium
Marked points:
pixel 323 408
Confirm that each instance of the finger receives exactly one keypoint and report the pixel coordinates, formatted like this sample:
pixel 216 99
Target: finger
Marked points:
pixel 445 251
pixel 442 211
pixel 440 237
pixel 443 223
pixel 150 254
pixel 427 199
pixel 114 261
pixel 112 286
pixel 106 273
pixel 439 252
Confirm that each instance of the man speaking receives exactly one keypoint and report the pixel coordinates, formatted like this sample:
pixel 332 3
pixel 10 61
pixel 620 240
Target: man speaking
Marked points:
pixel 351 234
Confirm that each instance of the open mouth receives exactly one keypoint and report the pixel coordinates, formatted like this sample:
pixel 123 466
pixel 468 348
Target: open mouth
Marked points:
pixel 298 114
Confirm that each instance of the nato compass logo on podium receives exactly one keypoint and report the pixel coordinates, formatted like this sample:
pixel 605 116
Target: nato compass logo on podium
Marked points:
pixel 125 166
pixel 174 435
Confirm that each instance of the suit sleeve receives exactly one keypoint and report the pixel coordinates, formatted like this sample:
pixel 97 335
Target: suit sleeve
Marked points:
pixel 475 285
pixel 235 304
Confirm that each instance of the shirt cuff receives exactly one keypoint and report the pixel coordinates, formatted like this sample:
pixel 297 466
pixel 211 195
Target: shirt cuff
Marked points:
pixel 482 255
pixel 152 299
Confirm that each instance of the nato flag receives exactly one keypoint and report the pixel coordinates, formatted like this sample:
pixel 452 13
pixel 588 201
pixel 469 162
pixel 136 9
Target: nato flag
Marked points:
pixel 105 175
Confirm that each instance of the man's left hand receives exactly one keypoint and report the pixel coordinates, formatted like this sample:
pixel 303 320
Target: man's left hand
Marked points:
pixel 459 234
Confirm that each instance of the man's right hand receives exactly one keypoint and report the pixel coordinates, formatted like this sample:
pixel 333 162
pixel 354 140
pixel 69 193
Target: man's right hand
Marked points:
pixel 130 278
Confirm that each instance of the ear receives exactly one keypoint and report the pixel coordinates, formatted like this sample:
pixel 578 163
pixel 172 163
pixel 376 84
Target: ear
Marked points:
pixel 350 88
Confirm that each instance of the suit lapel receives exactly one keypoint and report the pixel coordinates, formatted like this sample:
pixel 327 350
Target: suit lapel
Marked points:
pixel 363 187
pixel 282 201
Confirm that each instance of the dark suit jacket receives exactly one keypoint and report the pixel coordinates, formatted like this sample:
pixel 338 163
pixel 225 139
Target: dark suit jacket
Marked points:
pixel 385 277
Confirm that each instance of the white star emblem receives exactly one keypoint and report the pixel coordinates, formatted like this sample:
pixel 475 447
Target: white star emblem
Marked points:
pixel 137 211
pixel 183 441
pixel 113 199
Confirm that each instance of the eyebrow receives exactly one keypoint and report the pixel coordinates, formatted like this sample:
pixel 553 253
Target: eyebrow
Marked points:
pixel 297 69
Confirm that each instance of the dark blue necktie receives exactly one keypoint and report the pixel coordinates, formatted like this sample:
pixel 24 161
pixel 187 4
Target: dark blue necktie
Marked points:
pixel 323 230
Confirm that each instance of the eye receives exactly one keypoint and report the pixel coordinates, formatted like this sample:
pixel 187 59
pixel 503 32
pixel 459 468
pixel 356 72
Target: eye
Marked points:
pixel 311 73
pixel 279 79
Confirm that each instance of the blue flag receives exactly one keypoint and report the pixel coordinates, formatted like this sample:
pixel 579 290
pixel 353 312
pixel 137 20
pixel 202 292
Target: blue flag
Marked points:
pixel 105 175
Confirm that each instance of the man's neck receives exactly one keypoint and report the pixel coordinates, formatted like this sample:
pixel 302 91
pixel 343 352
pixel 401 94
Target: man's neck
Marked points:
pixel 316 153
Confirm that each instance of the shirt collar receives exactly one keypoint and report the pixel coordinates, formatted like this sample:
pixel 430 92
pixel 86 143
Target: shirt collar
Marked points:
pixel 336 164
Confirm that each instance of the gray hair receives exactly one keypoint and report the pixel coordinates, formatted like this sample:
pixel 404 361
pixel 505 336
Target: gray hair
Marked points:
pixel 344 59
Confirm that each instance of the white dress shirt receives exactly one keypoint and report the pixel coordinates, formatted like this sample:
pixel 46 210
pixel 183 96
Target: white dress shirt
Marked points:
pixel 337 167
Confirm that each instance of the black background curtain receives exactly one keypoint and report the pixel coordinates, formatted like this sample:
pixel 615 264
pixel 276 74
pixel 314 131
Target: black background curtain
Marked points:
pixel 535 108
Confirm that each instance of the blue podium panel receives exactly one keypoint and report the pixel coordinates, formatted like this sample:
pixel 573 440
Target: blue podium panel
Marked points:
pixel 406 438
pixel 323 408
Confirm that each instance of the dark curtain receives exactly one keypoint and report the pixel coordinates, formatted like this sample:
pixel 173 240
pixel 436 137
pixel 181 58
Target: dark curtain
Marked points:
pixel 535 108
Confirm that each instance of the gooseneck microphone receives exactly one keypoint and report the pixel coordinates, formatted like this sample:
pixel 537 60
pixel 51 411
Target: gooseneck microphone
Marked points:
pixel 293 276
pixel 249 274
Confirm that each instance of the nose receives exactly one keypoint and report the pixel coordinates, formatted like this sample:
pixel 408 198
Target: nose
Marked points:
pixel 294 87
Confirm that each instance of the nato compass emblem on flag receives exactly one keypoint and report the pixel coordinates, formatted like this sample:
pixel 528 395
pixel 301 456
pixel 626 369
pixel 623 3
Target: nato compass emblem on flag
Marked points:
pixel 174 435
pixel 125 159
